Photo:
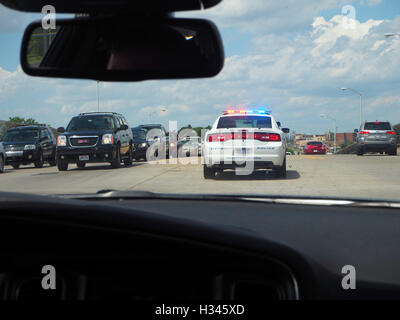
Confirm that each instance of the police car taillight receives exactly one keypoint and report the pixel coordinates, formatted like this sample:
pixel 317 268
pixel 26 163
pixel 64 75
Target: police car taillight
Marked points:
pixel 267 137
pixel 219 137
pixel 244 136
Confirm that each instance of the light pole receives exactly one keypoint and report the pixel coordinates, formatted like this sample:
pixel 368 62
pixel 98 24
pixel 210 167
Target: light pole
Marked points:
pixel 360 94
pixel 98 99
pixel 160 109
pixel 334 121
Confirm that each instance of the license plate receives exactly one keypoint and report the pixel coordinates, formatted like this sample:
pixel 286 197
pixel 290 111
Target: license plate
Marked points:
pixel 83 158
pixel 315 150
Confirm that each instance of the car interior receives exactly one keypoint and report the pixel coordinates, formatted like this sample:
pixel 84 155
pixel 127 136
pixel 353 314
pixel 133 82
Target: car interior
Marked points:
pixel 144 246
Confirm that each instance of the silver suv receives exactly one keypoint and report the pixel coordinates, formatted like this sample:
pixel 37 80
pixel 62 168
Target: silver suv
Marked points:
pixel 376 137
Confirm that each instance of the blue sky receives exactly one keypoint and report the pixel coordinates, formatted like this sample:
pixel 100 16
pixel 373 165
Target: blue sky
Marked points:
pixel 293 56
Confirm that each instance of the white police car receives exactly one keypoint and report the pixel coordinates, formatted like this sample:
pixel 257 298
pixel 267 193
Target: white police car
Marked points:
pixel 245 140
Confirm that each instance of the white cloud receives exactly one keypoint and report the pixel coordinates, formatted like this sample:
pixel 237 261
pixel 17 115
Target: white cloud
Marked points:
pixel 298 77
pixel 267 16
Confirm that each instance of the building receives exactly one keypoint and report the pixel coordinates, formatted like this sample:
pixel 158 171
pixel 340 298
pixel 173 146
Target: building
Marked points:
pixel 302 139
pixel 344 137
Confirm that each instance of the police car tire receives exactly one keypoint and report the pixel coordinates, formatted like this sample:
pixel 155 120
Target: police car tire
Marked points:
pixel 209 173
pixel 1 164
pixel 281 171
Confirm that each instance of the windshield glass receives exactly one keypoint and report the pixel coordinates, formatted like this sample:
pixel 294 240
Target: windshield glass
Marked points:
pixel 301 81
pixel 91 123
pixel 377 126
pixel 139 134
pixel 314 143
pixel 244 122
pixel 21 135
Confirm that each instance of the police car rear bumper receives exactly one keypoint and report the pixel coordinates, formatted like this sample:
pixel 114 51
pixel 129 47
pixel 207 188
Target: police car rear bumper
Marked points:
pixel 259 161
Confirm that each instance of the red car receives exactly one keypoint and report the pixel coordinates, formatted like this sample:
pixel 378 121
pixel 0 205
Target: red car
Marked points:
pixel 314 147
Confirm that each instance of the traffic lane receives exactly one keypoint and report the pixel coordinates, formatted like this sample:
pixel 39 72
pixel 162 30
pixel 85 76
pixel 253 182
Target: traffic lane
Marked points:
pixel 369 176
pixel 321 175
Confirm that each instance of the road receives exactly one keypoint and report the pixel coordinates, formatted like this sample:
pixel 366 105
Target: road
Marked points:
pixel 370 176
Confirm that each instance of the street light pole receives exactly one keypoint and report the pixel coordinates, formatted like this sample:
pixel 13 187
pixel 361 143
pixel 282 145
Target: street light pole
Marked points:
pixel 360 94
pixel 162 109
pixel 98 100
pixel 335 129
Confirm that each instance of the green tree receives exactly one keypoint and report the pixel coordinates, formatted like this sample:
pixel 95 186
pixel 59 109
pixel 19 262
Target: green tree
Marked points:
pixel 19 120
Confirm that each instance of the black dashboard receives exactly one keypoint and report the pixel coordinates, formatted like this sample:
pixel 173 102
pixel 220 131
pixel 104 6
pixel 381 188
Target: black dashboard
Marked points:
pixel 195 248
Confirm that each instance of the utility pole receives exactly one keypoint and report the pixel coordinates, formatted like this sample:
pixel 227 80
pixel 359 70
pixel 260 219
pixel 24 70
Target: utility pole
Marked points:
pixel 98 99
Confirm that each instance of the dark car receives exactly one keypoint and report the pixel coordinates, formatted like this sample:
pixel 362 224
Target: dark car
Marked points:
pixel 30 144
pixel 95 137
pixel 140 143
pixel 159 135
pixel 376 136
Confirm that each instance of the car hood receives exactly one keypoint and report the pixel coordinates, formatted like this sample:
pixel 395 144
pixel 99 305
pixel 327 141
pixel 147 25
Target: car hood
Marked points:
pixel 87 133
pixel 18 144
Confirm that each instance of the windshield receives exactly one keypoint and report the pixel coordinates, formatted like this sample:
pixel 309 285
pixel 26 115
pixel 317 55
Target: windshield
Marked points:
pixel 91 123
pixel 377 126
pixel 301 81
pixel 21 135
pixel 314 143
pixel 244 122
pixel 139 134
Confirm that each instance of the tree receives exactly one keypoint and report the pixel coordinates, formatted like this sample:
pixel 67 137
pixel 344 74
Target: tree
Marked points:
pixel 196 129
pixel 16 121
pixel 20 120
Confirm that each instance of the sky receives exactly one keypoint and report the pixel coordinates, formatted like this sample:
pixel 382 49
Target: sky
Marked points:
pixel 292 56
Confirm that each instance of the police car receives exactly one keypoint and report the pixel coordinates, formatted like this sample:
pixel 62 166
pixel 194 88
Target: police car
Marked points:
pixel 245 138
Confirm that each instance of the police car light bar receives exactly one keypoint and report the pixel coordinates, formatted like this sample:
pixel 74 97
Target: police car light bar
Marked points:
pixel 246 111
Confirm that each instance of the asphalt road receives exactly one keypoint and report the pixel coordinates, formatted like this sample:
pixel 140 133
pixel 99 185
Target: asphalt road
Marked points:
pixel 370 176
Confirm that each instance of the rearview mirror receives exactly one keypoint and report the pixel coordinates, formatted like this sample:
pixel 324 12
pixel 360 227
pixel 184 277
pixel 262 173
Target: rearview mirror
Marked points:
pixel 60 129
pixel 117 49
pixel 123 127
pixel 355 130
pixel 285 130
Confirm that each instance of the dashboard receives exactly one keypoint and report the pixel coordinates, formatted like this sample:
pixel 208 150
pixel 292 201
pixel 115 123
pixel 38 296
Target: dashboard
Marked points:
pixel 195 249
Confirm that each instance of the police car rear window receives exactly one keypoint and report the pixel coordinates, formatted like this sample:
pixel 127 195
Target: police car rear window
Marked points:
pixel 244 122
pixel 377 126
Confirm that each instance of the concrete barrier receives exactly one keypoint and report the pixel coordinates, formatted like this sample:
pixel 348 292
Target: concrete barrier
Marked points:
pixel 351 149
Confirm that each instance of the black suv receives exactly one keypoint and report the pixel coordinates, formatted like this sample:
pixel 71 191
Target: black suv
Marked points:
pixel 30 144
pixel 95 137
